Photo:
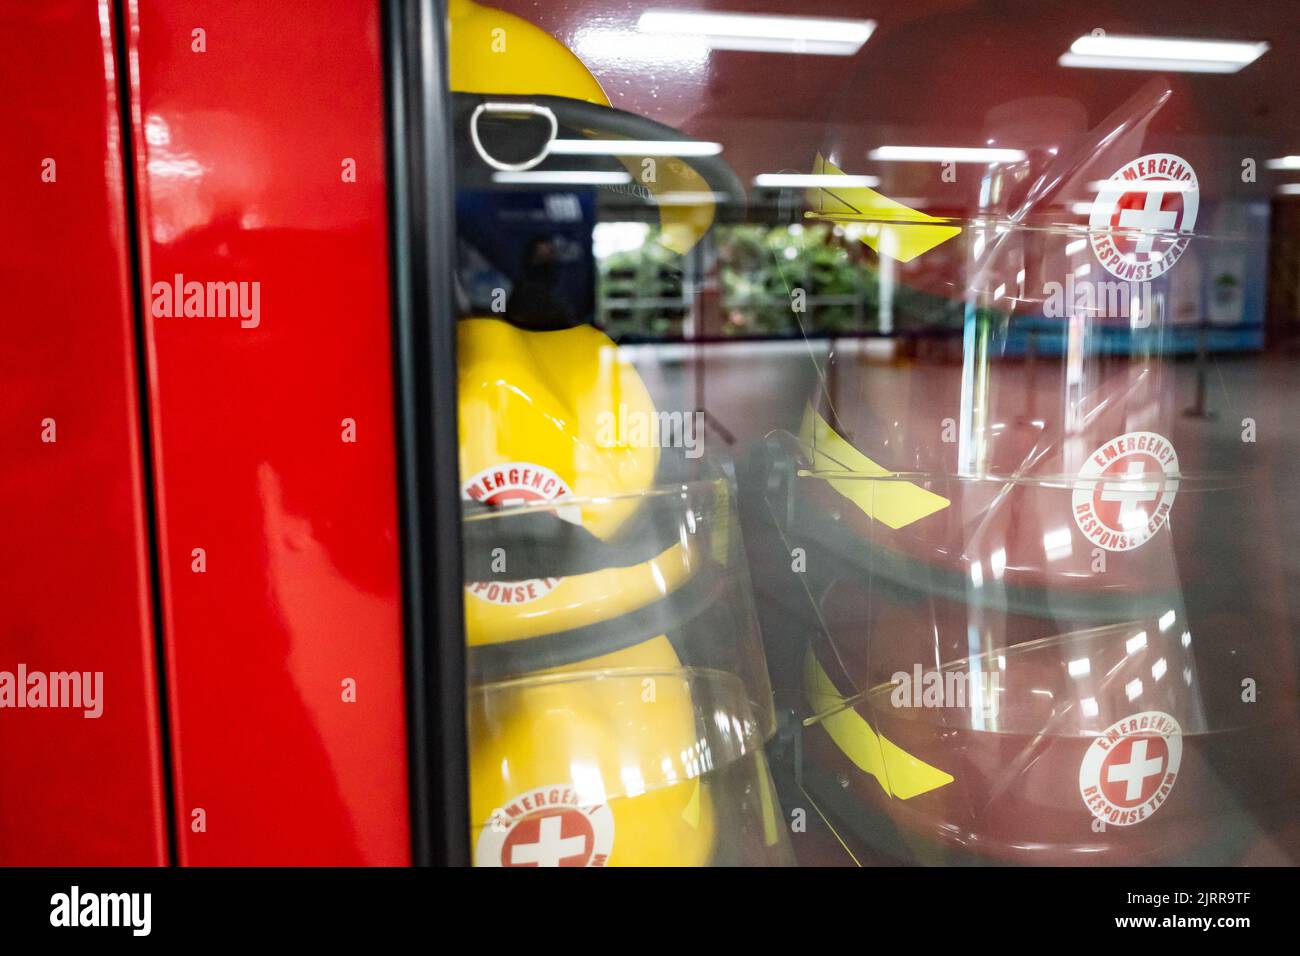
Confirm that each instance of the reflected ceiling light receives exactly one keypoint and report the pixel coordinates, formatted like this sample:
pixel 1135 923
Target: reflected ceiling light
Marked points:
pixel 1289 189
pixel 1056 544
pixel 637 52
pixel 998 559
pixel 1161 53
pixel 1143 185
pixel 1080 667
pixel 633 147
pixel 691 198
pixel 609 238
pixel 1167 619
pixel 1284 162
pixel 563 177
pixel 946 154
pixel 809 180
pixel 763 34
pixel 633 781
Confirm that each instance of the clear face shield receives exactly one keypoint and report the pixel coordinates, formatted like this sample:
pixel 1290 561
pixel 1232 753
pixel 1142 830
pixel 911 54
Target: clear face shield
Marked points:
pixel 964 325
pixel 1037 569
pixel 619 696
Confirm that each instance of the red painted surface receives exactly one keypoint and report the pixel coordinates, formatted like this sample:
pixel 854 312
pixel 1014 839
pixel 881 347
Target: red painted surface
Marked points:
pixel 241 150
pixel 73 554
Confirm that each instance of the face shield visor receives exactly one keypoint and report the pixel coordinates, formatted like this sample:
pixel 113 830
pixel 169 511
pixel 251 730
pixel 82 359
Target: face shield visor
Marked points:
pixel 619 700
pixel 1038 574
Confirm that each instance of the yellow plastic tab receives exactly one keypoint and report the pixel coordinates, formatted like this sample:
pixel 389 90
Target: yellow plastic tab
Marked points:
pixel 691 814
pixel 771 826
pixel 681 223
pixel 894 501
pixel 899 774
pixel 894 230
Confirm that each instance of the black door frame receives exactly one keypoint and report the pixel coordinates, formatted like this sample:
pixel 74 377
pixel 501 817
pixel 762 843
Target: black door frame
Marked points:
pixel 421 233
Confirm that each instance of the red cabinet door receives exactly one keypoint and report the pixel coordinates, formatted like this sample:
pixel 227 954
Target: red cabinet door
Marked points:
pixel 75 788
pixel 259 147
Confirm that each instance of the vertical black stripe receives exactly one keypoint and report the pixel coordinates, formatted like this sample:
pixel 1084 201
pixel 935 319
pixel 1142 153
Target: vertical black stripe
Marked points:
pixel 134 238
pixel 421 223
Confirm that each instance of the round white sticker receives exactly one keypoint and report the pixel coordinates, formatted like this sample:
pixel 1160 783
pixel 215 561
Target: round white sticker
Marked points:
pixel 547 826
pixel 515 482
pixel 1143 216
pixel 1129 769
pixel 1125 490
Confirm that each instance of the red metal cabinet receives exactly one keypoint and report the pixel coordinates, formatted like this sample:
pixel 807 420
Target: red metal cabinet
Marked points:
pixel 74 566
pixel 274 445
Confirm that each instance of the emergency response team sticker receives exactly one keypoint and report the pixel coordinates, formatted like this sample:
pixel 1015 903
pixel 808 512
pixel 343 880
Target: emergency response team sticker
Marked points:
pixel 1125 490
pixel 1138 214
pixel 547 826
pixel 1130 768
pixel 515 482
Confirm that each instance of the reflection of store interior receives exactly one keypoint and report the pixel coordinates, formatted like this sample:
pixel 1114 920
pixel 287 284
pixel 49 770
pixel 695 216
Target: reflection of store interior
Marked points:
pixel 779 301
pixel 775 121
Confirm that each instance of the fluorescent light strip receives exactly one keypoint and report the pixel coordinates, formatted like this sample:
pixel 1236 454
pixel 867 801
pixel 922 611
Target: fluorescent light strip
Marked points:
pixel 1141 186
pixel 1284 162
pixel 764 34
pixel 1227 51
pixel 1161 53
pixel 809 181
pixel 689 198
pixel 1136 63
pixel 562 177
pixel 633 147
pixel 1289 189
pixel 946 154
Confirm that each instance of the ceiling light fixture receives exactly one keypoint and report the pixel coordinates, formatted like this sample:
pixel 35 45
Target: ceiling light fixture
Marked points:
pixel 1102 52
pixel 946 154
pixel 827 36
pixel 633 147
pixel 811 181
pixel 562 177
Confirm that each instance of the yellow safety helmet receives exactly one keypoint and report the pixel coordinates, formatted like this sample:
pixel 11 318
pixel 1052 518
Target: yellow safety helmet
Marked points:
pixel 571 764
pixel 597 753
pixel 544 399
pixel 492 51
pixel 502 65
